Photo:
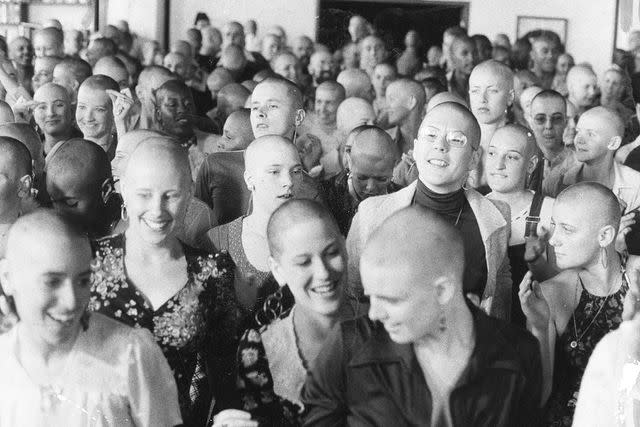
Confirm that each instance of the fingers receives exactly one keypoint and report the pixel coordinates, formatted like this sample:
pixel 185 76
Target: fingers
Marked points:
pixel 525 284
pixel 234 418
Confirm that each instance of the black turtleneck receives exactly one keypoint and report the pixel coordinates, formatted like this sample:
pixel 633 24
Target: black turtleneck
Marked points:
pixel 451 206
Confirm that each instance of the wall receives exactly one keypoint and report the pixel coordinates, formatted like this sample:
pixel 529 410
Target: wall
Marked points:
pixel 622 36
pixel 70 16
pixel 145 17
pixel 590 29
pixel 298 17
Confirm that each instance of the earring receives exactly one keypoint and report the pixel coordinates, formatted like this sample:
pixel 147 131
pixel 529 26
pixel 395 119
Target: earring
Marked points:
pixel 442 322
pixel 123 213
pixel 603 258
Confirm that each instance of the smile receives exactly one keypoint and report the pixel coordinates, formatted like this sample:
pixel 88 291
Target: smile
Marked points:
pixel 63 320
pixel 286 196
pixel 324 290
pixel 156 225
pixel 438 163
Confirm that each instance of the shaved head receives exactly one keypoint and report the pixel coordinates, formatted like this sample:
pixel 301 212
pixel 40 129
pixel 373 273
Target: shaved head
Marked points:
pixel 294 212
pixel 231 98
pixel 26 135
pixel 270 143
pixel 83 159
pixel 593 198
pixel 494 68
pixel 36 230
pixel 160 152
pixel 457 110
pixel 608 119
pixel 356 83
pixel 126 144
pixel 354 112
pixel 408 88
pixel 395 245
pixel 6 113
pixel 374 146
pixel 219 78
pixel 517 132
pixel 443 97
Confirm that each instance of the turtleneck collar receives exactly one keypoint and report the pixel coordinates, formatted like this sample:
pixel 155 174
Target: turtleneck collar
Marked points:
pixel 448 203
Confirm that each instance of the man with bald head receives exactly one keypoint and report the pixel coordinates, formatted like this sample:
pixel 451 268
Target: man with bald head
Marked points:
pixel 356 83
pixel 230 98
pixel 582 84
pixel 422 340
pixel 462 60
pixel 405 100
pixel 599 133
pixel 80 185
pixel 43 70
pixel 544 56
pixel 71 72
pixel 24 133
pixel 370 163
pixel 548 119
pixel 48 42
pixel 354 112
pixel 445 151
pixel 21 54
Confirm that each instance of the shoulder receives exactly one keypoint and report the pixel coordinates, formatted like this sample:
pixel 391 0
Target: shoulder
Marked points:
pixel 628 174
pixel 111 336
pixel 559 289
pixel 224 159
pixel 487 203
pixel 510 341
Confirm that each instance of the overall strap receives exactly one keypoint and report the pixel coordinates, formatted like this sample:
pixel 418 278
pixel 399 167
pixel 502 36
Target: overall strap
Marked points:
pixel 533 219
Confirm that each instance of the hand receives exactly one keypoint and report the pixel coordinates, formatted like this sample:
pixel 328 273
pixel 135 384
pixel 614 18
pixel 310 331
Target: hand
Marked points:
pixel 626 222
pixel 121 104
pixel 234 418
pixel 534 305
pixel 536 245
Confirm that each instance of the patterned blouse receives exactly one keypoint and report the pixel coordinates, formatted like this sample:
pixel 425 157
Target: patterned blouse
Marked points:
pixel 194 328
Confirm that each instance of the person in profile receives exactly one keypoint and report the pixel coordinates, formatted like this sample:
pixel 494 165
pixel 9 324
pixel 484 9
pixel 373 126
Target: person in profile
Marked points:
pixel 424 355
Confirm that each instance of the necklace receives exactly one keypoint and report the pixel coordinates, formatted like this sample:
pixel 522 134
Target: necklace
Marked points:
pixel 573 344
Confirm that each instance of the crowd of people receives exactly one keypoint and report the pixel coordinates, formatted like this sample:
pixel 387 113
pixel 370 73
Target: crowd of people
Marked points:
pixel 248 230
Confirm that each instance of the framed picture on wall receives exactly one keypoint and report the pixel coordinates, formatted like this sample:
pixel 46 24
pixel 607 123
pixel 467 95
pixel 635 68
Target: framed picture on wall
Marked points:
pixel 530 23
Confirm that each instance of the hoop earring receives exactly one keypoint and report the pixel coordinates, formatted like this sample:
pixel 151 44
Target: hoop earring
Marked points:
pixel 123 213
pixel 442 322
pixel 603 258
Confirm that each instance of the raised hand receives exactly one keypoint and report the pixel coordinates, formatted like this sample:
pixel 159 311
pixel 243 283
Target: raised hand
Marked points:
pixel 536 245
pixel 534 305
pixel 121 102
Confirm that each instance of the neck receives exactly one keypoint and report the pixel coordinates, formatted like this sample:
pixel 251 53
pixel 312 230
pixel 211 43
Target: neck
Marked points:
pixel 40 351
pixel 444 188
pixel 461 79
pixel 104 141
pixel 598 170
pixel 511 198
pixel 540 73
pixel 137 248
pixel 488 129
pixel 552 152
pixel 258 220
pixel 599 280
pixel 458 335
pixel 314 327
pixel 50 141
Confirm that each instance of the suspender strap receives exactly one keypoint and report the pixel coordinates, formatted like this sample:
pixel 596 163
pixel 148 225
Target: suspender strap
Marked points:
pixel 533 219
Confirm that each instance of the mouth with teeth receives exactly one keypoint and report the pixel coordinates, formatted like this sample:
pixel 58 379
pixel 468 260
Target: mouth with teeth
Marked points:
pixel 64 320
pixel 327 289
pixel 438 163
pixel 286 196
pixel 156 225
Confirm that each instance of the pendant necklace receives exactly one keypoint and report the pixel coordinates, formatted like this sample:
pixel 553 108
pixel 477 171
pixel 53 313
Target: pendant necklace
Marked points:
pixel 574 343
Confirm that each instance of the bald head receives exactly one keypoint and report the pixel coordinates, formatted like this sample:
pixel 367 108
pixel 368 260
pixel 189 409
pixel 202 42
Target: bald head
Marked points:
pixel 17 155
pixel 48 42
pixel 373 146
pixel 36 231
pixel 396 245
pixel 237 133
pixel 232 97
pixel 356 83
pixel 596 200
pixel 158 152
pixel 126 144
pixel 442 97
pixel 354 112
pixel 409 90
pixel 6 113
pixel 492 69
pixel 219 78
pixel 84 160
pixel 582 85
pixel 113 67
pixel 295 212
pixel 233 58
pixel 26 135
pixel 182 47
pixel 515 132
pixel 608 121
pixel 269 143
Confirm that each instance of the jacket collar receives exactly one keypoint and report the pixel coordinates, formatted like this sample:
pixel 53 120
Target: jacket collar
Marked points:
pixel 491 349
pixel 487 215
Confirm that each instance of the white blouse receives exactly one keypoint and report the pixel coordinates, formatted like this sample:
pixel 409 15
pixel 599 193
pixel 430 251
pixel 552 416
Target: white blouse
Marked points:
pixel 115 376
pixel 610 389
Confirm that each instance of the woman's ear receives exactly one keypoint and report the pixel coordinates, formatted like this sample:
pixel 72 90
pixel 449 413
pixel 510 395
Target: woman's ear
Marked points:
pixel 300 115
pixel 606 236
pixel 276 271
pixel 248 179
pixel 445 288
pixel 533 162
pixel 24 186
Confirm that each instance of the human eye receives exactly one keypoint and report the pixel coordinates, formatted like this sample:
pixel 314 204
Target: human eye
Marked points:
pixel 273 106
pixel 273 171
pixel 297 170
pixel 491 152
pixel 84 281
pixel 71 203
pixel 302 261
pixel 456 139
pixel 59 104
pixel 513 157
pixel 143 194
pixel 52 281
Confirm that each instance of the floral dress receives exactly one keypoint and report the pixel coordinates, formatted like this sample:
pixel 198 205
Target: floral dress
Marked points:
pixel 594 317
pixel 194 328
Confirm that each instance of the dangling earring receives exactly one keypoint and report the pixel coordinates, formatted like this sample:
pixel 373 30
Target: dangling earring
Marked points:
pixel 442 322
pixel 123 213
pixel 603 258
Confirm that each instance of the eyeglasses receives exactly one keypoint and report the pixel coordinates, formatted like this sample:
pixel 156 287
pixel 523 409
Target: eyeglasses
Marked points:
pixel 454 138
pixel 556 119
